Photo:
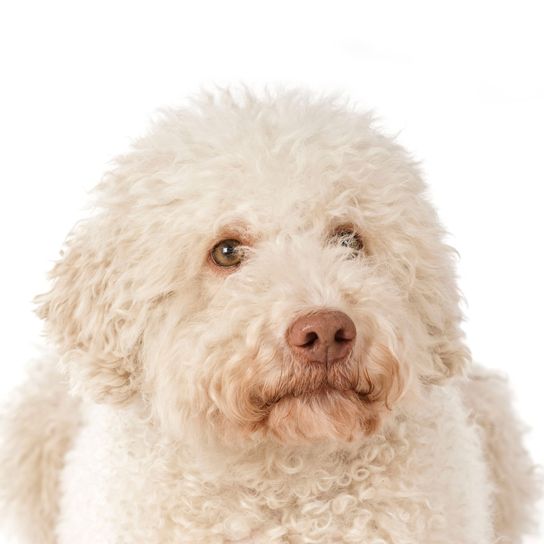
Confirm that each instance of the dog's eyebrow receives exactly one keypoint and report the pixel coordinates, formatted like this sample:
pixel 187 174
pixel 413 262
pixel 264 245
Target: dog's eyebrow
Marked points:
pixel 238 230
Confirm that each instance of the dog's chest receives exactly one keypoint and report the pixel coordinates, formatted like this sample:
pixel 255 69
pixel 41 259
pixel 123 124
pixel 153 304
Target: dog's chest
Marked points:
pixel 119 486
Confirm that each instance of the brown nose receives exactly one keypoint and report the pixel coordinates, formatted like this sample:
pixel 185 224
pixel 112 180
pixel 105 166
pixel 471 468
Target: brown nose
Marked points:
pixel 326 336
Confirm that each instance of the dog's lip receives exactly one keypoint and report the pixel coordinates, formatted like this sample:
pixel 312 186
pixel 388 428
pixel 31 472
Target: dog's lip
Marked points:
pixel 321 391
pixel 326 386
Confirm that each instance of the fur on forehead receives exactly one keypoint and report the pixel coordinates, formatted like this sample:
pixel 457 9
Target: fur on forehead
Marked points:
pixel 288 144
pixel 284 162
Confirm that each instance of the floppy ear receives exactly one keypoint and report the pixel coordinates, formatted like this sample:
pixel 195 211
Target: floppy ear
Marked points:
pixel 95 311
pixel 424 267
pixel 436 296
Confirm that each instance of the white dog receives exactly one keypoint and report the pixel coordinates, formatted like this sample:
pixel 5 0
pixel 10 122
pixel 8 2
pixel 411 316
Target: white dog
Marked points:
pixel 258 336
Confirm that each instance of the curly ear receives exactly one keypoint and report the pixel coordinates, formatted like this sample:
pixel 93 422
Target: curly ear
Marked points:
pixel 95 312
pixel 424 267
pixel 437 299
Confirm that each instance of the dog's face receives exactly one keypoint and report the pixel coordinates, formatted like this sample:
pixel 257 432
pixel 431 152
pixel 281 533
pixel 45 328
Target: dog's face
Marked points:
pixel 260 268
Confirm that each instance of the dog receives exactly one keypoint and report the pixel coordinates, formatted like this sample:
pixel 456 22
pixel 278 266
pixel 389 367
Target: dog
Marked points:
pixel 256 339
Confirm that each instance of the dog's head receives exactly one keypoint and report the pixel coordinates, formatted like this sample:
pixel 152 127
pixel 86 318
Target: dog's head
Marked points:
pixel 263 267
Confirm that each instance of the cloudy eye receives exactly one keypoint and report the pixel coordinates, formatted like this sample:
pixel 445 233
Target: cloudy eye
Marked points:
pixel 348 238
pixel 227 253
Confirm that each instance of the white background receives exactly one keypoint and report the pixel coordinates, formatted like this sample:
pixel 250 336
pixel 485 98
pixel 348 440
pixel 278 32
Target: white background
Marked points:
pixel 462 82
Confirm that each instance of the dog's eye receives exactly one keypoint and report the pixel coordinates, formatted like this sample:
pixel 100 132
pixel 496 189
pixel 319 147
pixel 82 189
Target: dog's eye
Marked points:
pixel 348 238
pixel 227 253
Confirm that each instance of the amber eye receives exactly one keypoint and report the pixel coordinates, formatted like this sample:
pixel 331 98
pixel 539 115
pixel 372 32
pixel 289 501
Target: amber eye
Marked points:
pixel 348 238
pixel 227 253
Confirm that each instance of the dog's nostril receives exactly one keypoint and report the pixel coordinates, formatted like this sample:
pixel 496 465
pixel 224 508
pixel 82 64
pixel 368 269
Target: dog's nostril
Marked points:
pixel 310 339
pixel 341 336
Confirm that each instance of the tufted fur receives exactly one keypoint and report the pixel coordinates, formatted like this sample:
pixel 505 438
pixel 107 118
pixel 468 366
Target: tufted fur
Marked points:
pixel 198 423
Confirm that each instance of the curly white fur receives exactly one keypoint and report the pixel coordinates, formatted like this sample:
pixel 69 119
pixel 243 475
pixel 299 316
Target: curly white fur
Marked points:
pixel 199 423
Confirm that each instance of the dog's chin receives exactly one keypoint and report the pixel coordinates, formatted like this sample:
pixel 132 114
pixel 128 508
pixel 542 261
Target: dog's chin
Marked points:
pixel 322 415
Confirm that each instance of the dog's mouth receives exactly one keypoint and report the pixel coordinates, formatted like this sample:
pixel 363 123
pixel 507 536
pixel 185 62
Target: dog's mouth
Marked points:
pixel 310 401
pixel 319 414
pixel 323 393
pixel 308 390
